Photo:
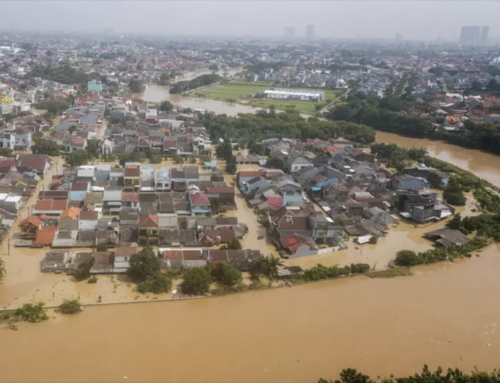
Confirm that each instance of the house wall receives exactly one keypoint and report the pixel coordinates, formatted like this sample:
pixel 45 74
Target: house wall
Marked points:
pixel 305 251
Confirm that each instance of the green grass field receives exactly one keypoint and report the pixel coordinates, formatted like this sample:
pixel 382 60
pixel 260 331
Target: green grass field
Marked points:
pixel 239 90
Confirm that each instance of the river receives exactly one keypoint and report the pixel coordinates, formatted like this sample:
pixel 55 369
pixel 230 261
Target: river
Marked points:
pixel 446 315
pixel 482 164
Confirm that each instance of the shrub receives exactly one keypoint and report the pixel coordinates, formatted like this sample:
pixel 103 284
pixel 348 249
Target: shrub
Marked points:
pixel 407 258
pixel 29 312
pixel 92 279
pixel 72 306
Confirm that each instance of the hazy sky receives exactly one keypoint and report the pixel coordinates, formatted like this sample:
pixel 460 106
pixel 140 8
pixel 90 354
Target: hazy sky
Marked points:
pixel 335 19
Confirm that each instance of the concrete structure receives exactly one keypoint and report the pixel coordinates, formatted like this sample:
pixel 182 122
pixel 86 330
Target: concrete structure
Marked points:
pixel 295 94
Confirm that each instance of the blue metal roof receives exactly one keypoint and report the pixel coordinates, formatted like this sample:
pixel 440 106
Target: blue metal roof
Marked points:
pixel 320 185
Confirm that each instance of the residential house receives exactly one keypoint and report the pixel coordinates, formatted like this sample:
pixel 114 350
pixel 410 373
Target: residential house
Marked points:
pixel 88 220
pixel 375 214
pixel 78 191
pixel 406 182
pixel 199 202
pixel 148 229
pixel 296 245
pixel 30 227
pixel 131 178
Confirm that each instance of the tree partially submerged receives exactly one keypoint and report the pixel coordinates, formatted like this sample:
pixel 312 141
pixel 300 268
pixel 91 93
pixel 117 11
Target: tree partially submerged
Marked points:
pixel 196 281
pixel 145 270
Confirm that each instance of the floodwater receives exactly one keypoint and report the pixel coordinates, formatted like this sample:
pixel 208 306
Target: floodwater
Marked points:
pixel 446 315
pixel 482 164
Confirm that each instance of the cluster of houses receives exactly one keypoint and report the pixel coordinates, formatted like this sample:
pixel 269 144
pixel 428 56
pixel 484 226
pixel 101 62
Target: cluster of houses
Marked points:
pixel 358 197
pixel 100 204
pixel 116 261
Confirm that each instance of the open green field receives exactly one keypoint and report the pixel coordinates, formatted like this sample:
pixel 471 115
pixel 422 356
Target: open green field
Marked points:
pixel 237 91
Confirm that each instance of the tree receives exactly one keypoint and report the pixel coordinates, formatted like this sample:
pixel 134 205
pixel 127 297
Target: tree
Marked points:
pixel 213 67
pixel 2 269
pixel 453 193
pixel 456 222
pixel 434 180
pixel 43 146
pixel 426 376
pixel 72 128
pixel 6 152
pixel 166 106
pixel 135 85
pixel 276 163
pixel 267 266
pixel 179 160
pixel 92 149
pixel 164 79
pixel 231 165
pixel 72 306
pixel 234 244
pixel 157 283
pixel 196 281
pixel 77 158
pixel 155 159
pixel 144 264
pixel 226 274
pixel 407 258
pixel 82 272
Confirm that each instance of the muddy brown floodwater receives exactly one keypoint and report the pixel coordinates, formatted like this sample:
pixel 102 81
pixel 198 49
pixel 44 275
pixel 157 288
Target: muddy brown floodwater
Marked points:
pixel 446 315
pixel 482 164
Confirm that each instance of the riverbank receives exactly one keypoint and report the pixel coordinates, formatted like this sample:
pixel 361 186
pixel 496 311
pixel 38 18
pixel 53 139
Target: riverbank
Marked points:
pixel 379 326
pixel 481 164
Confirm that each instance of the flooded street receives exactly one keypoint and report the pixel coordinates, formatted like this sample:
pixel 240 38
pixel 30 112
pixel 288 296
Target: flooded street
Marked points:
pixel 446 315
pixel 482 164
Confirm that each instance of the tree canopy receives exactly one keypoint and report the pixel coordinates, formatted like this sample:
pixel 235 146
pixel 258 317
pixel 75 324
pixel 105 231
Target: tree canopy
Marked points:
pixel 196 281
pixel 226 274
pixel 203 80
pixel 262 125
pixel 384 114
pixel 65 74
pixel 426 376
pixel 43 146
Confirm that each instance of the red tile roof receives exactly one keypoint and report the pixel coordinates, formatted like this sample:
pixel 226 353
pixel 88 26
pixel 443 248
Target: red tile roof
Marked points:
pixel 130 197
pixel 45 236
pixel 51 204
pixel 148 220
pixel 199 199
pixel 33 220
pixel 71 212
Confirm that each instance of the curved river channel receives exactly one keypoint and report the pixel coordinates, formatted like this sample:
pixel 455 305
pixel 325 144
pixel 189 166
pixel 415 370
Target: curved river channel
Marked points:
pixel 445 315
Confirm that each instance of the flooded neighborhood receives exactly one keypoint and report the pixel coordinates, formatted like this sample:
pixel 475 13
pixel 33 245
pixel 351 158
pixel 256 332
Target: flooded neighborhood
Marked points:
pixel 238 209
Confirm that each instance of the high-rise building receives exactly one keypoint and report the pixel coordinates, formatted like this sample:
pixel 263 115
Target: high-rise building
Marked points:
pixel 289 32
pixel 470 35
pixel 310 32
pixel 485 30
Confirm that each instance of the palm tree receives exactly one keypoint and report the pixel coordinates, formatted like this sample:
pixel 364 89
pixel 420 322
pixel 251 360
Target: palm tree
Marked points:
pixel 272 265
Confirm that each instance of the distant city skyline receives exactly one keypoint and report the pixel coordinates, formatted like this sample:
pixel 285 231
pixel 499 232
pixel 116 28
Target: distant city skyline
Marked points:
pixel 331 19
pixel 474 35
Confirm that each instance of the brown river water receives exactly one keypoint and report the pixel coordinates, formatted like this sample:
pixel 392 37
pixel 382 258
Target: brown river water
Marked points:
pixel 447 314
